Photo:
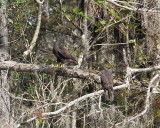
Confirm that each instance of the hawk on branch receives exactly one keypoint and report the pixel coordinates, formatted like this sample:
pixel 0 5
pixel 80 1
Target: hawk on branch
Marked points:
pixel 63 55
pixel 107 83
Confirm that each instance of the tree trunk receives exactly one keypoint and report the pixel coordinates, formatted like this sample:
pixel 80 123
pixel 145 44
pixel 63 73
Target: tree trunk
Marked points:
pixel 85 36
pixel 158 45
pixel 152 24
pixel 4 82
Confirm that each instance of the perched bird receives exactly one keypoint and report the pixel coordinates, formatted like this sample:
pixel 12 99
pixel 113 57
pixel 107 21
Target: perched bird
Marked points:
pixel 107 82
pixel 63 55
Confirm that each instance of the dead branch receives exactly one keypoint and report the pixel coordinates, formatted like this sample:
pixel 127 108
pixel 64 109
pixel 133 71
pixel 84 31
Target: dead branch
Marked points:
pixel 141 10
pixel 33 42
pixel 147 102
pixel 29 120
pixel 97 94
pixel 75 73
pixel 69 105
pixel 48 69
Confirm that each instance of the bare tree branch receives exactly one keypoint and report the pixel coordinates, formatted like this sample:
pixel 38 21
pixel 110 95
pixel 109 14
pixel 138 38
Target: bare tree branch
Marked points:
pixel 40 2
pixel 116 2
pixel 147 102
pixel 97 94
pixel 71 104
pixel 29 120
pixel 20 67
pixel 33 42
pixel 75 73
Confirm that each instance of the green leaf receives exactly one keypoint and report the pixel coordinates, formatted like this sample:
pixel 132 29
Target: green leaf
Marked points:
pixel 69 16
pixel 112 12
pixel 125 11
pixel 141 30
pixel 21 1
pixel 98 29
pixel 132 26
pixel 39 122
pixel 101 2
pixel 80 13
pixel 103 22
pixel 76 10
pixel 64 7
pixel 88 17
pixel 140 58
pixel 132 41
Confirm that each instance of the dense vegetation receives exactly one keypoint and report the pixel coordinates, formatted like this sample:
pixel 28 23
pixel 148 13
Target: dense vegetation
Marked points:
pixel 121 35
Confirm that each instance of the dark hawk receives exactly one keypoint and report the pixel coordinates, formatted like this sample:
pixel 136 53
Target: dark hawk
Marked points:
pixel 107 83
pixel 63 55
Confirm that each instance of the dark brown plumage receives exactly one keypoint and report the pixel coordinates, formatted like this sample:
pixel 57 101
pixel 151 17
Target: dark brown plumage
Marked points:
pixel 63 55
pixel 107 83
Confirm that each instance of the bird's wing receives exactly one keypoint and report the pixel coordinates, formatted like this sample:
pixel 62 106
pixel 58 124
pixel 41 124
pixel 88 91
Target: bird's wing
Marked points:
pixel 65 53
pixel 106 80
pixel 107 83
pixel 109 78
pixel 61 54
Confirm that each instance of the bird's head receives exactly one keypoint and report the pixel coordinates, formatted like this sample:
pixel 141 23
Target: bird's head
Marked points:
pixel 101 67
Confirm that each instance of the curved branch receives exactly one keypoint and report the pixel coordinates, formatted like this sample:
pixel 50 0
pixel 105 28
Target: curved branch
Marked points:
pixel 70 104
pixel 96 77
pixel 147 102
pixel 78 100
pixel 40 2
pixel 33 42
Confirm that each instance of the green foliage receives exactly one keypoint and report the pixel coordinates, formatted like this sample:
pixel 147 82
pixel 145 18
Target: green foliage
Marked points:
pixel 99 27
pixel 88 17
pixel 120 98
pixel 103 22
pixel 77 11
pixel 125 11
pixel 112 12
pixel 132 26
pixel 101 2
pixel 69 16
pixel 18 2
pixel 64 90
pixel 39 122
pixel 64 8
pixel 31 89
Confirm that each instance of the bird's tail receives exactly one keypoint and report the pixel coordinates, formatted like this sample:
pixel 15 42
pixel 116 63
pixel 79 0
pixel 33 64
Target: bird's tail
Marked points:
pixel 109 94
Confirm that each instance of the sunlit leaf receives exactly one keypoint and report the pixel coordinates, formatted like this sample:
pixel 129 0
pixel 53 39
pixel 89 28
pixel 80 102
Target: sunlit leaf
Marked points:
pixel 76 10
pixel 103 22
pixel 88 17
pixel 99 29
pixel 39 122
pixel 112 12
